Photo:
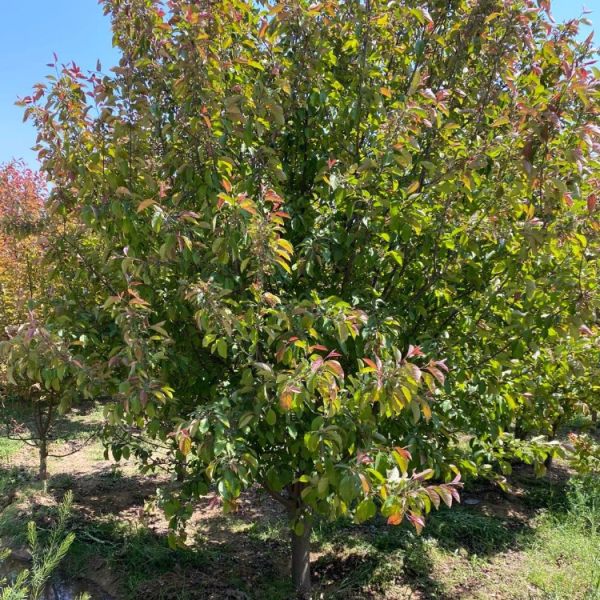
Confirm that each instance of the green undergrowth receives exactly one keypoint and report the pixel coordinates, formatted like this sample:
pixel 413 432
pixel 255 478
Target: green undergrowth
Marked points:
pixel 564 559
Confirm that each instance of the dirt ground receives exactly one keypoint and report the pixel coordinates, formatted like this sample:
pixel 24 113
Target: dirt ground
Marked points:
pixel 477 551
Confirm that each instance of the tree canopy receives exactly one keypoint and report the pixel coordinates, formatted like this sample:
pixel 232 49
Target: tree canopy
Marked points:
pixel 300 217
pixel 22 194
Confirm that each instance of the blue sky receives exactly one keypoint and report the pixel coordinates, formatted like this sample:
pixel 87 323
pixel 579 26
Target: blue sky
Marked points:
pixel 31 30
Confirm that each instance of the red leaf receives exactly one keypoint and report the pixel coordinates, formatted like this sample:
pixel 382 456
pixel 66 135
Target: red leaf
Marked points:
pixel 591 202
pixel 335 366
pixel 395 519
pixel 417 521
pixel 316 365
pixel 436 373
pixel 454 493
pixel 369 362
pixel 442 364
pixel 422 475
pixel 433 496
pixel 414 351
pixel 363 458
pixel 403 452
pixel 445 495
pixel 318 347
pixel 414 371
pixel 273 196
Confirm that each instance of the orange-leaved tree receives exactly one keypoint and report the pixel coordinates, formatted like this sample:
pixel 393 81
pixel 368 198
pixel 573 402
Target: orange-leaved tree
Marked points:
pixel 22 193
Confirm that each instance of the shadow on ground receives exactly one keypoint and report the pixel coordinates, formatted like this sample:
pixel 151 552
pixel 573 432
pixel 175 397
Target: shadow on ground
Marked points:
pixel 246 555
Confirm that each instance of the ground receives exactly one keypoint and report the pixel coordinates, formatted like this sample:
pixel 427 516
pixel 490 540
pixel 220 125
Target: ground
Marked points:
pixel 540 541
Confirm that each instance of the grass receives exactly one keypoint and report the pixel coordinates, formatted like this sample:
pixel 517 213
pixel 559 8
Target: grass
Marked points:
pixel 563 561
pixel 463 553
pixel 570 541
pixel 8 448
pixel 556 556
pixel 477 534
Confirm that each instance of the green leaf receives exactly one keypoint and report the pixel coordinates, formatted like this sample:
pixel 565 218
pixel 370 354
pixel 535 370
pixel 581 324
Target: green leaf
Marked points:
pixel 271 417
pixel 222 348
pixel 365 510
pixel 349 488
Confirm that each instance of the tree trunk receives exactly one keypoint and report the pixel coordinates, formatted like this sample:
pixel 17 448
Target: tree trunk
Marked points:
pixel 519 431
pixel 550 459
pixel 292 502
pixel 301 561
pixel 43 423
pixel 43 474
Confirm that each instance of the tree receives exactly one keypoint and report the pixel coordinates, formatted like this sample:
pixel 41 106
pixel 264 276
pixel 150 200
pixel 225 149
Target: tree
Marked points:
pixel 45 376
pixel 289 198
pixel 22 194
pixel 40 375
pixel 563 381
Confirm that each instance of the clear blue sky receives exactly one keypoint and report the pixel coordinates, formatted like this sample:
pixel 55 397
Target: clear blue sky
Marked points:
pixel 31 30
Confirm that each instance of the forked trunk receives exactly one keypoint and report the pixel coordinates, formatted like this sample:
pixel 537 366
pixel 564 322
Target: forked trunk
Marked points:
pixel 301 562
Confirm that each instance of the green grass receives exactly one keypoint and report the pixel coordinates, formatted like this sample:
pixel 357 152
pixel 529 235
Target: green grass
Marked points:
pixel 557 556
pixel 570 541
pixel 476 533
pixel 8 448
pixel 12 479
pixel 564 561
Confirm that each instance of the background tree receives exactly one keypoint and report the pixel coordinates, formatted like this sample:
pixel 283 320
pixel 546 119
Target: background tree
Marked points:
pixel 22 194
pixel 563 381
pixel 288 198
pixel 45 377
pixel 39 376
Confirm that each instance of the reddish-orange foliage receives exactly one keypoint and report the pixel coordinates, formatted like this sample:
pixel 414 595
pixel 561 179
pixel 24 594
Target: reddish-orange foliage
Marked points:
pixel 22 195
